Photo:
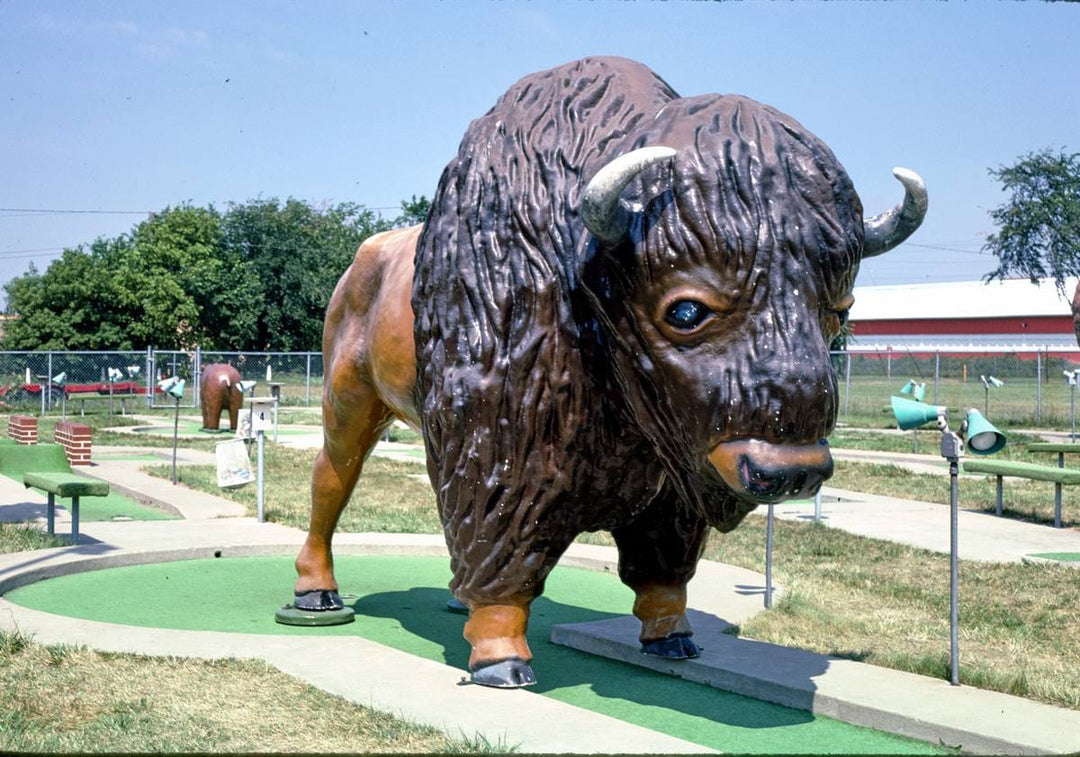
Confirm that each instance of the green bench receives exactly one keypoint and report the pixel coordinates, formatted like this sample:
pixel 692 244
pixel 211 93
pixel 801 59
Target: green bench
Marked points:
pixel 1001 468
pixel 68 486
pixel 83 397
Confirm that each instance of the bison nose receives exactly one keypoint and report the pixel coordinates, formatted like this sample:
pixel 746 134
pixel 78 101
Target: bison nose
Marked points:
pixel 763 472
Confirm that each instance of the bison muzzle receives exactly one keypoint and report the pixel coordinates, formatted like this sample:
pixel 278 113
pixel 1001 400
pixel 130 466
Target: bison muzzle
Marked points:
pixel 616 317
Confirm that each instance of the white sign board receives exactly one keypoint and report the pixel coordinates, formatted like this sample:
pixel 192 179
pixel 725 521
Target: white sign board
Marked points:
pixel 262 414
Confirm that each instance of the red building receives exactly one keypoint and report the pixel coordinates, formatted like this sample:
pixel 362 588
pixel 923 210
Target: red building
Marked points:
pixel 1001 314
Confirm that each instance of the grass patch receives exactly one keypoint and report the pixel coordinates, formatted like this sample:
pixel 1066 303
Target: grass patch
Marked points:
pixel 888 604
pixel 23 537
pixel 70 699
pixel 387 499
pixel 1031 501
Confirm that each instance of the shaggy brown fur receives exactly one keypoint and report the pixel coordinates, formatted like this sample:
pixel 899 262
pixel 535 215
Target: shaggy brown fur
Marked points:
pixel 550 405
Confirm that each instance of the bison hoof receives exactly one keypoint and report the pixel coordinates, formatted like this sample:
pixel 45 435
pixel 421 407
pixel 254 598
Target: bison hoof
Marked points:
pixel 508 674
pixel 673 648
pixel 455 605
pixel 318 600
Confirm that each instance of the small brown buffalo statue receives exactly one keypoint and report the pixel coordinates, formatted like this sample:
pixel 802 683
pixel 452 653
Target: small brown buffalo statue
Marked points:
pixel 219 389
pixel 616 317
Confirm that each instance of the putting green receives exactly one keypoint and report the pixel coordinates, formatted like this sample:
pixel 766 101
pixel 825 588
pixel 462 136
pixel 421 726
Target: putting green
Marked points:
pixel 192 429
pixel 49 458
pixel 1059 556
pixel 400 602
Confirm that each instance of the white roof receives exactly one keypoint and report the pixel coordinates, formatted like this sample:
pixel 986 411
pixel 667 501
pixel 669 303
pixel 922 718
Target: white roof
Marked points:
pixel 1010 298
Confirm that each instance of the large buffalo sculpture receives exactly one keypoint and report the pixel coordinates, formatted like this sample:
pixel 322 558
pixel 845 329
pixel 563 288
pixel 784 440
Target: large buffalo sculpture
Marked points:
pixel 617 318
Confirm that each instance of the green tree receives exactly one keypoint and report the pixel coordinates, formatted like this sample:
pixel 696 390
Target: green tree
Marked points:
pixel 297 254
pixel 1038 232
pixel 77 304
pixel 413 212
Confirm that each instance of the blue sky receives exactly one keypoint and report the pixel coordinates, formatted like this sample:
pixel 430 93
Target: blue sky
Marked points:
pixel 134 106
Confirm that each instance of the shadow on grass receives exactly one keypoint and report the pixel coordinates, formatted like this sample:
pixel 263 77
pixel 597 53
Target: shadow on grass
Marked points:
pixel 618 689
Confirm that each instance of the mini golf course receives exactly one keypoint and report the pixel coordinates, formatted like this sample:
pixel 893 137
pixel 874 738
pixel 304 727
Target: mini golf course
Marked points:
pixel 15 460
pixel 400 602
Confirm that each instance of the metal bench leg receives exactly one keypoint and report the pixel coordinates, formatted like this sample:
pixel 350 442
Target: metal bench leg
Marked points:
pixel 51 513
pixel 1057 505
pixel 74 520
pixel 999 488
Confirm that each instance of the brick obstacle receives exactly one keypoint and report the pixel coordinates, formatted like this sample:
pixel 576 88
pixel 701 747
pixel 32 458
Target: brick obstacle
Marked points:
pixel 23 429
pixel 75 438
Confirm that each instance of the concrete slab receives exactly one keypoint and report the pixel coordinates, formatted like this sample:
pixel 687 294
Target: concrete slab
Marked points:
pixel 981 536
pixel 973 720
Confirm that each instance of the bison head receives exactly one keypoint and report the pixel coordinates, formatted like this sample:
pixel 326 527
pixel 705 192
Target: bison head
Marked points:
pixel 722 267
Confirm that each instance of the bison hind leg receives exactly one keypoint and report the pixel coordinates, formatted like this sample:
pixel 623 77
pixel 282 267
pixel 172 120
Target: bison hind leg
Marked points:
pixel 505 674
pixel 672 648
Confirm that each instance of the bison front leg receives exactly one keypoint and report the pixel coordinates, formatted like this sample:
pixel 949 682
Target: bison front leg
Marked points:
pixel 352 423
pixel 500 654
pixel 658 554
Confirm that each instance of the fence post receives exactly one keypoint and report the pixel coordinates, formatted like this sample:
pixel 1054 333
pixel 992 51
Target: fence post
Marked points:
pixel 847 383
pixel 937 374
pixel 150 382
pixel 888 364
pixel 46 388
pixel 1038 386
pixel 196 374
pixel 307 383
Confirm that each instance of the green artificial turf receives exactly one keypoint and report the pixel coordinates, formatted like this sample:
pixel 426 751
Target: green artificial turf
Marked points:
pixel 1060 556
pixel 50 458
pixel 193 429
pixel 400 602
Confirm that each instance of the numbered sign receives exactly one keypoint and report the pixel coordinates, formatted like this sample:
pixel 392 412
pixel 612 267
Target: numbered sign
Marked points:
pixel 262 414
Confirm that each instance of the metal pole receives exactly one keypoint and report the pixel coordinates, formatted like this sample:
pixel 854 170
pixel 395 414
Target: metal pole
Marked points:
pixel 149 377
pixel 847 383
pixel 888 364
pixel 259 480
pixel 768 557
pixel 1038 387
pixel 937 374
pixel 954 575
pixel 307 382
pixel 817 506
pixel 175 433
pixel 48 383
pixel 1072 411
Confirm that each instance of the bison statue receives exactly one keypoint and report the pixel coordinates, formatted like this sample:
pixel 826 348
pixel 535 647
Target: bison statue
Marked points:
pixel 219 389
pixel 616 317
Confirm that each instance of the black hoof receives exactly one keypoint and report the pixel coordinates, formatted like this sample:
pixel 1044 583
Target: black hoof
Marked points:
pixel 455 605
pixel 673 648
pixel 508 674
pixel 318 600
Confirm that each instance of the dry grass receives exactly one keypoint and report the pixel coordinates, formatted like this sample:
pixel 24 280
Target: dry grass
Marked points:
pixel 888 604
pixel 67 699
pixel 389 497
pixel 23 537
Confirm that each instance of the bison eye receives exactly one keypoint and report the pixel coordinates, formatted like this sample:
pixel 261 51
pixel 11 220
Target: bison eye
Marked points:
pixel 686 314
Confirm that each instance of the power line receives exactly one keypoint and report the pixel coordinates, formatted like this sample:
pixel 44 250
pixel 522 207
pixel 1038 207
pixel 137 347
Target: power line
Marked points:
pixel 69 211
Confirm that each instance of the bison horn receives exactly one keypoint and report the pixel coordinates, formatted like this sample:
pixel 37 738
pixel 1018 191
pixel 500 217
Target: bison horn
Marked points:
pixel 604 215
pixel 882 233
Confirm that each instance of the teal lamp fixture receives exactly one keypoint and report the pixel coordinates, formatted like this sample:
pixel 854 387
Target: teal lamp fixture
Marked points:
pixel 174 387
pixel 982 438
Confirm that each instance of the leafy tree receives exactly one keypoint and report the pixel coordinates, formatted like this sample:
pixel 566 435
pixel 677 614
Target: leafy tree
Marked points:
pixel 1039 227
pixel 413 212
pixel 297 254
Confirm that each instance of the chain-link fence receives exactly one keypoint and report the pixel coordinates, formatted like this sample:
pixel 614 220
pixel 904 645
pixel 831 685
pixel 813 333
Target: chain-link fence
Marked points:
pixel 45 382
pixel 1033 388
pixel 1009 386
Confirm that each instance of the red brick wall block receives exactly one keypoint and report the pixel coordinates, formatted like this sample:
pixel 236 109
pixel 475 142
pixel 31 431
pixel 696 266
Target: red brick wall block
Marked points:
pixel 76 438
pixel 23 429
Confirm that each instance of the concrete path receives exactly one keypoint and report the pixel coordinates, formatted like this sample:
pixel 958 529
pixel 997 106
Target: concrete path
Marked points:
pixel 428 694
